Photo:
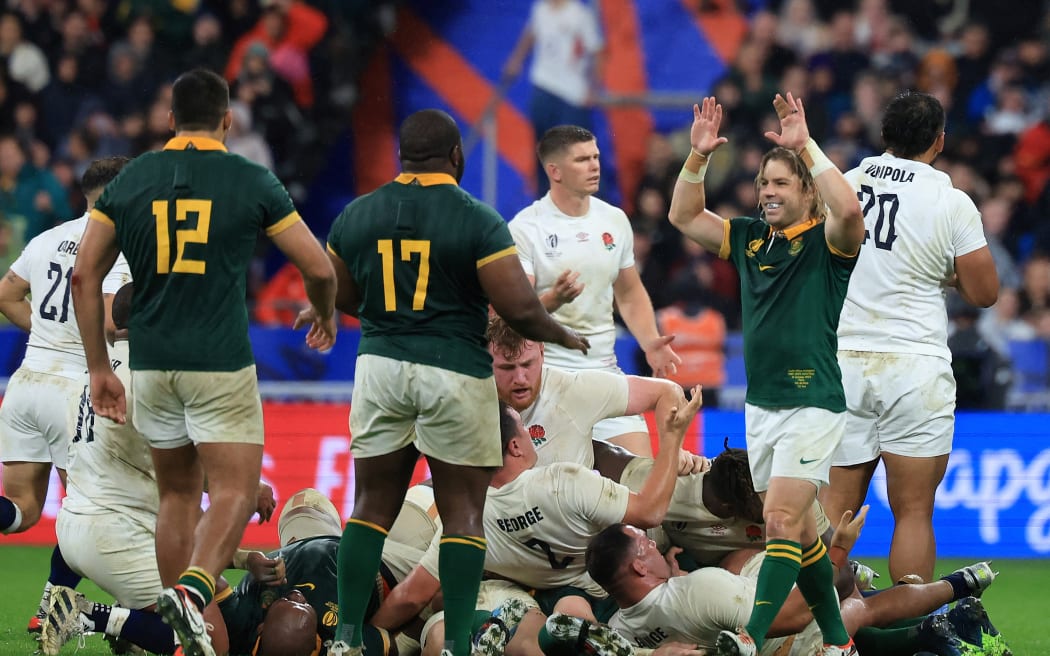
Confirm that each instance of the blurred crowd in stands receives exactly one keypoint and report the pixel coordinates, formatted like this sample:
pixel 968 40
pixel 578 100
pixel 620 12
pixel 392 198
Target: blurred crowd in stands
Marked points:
pixel 82 79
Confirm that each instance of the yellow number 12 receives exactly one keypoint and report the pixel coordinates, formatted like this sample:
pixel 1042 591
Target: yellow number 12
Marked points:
pixel 198 235
pixel 408 248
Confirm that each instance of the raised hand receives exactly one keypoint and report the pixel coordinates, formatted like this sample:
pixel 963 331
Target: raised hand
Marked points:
pixel 707 119
pixel 107 396
pixel 794 133
pixel 679 417
pixel 848 529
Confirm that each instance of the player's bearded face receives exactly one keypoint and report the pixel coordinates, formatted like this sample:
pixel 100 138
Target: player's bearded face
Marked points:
pixel 518 378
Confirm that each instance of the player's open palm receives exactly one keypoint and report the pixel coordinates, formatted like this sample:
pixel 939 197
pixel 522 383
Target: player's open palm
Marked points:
pixel 794 133
pixel 661 357
pixel 707 119
pixel 322 332
pixel 107 396
pixel 678 419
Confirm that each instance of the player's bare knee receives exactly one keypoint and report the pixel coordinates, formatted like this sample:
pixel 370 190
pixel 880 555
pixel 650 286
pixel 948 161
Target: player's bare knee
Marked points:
pixel 782 522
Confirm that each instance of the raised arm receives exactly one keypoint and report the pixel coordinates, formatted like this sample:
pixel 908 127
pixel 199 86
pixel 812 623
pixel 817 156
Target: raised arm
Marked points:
pixel 844 228
pixel 688 211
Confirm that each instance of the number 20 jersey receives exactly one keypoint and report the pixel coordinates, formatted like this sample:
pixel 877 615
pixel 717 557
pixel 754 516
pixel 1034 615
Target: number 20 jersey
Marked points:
pixel 54 345
pixel 916 224
pixel 188 218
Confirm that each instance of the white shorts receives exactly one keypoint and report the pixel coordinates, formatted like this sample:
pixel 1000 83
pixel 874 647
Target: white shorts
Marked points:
pixel 902 404
pixel 607 429
pixel 491 595
pixel 176 408
pixel 447 415
pixel 791 443
pixel 34 417
pixel 115 551
pixel 417 522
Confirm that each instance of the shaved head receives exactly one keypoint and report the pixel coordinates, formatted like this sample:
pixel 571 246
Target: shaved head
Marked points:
pixel 290 628
pixel 428 134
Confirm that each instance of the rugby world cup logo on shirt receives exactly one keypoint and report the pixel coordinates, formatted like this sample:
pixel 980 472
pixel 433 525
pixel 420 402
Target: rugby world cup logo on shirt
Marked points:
pixel 551 241
pixel 538 435
pixel 607 239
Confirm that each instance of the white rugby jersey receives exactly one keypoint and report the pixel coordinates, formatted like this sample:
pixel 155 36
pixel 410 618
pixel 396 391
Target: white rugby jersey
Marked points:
pixel 566 38
pixel 566 409
pixel 47 264
pixel 110 468
pixel 916 224
pixel 700 533
pixel 538 526
pixel 598 245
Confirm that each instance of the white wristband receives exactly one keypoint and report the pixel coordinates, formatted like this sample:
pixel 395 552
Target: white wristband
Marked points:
pixel 815 158
pixel 690 176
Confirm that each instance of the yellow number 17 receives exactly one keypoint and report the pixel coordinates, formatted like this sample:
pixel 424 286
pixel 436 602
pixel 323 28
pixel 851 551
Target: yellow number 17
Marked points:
pixel 408 248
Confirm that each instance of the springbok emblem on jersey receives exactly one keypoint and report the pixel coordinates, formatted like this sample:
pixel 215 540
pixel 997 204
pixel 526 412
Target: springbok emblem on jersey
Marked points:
pixel 753 246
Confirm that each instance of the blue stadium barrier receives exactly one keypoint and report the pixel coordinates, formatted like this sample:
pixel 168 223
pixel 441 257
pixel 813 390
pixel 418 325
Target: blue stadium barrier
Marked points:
pixel 993 503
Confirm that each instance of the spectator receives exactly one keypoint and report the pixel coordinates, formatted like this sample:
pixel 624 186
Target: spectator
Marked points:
pixel 208 50
pixel 30 199
pixel 567 65
pixel 995 214
pixel 125 91
pixel 79 42
pixel 288 30
pixel 982 373
pixel 64 101
pixel 25 60
pixel 1002 324
pixel 1034 295
pixel 274 111
pixel 1032 157
pixel 244 141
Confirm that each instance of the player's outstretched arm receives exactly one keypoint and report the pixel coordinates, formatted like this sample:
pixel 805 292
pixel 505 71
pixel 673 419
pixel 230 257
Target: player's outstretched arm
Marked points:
pixel 688 211
pixel 514 299
pixel 844 229
pixel 406 599
pixel 13 302
pixel 96 254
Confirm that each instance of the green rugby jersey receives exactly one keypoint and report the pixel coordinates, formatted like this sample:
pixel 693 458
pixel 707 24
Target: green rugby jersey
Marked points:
pixel 311 569
pixel 187 219
pixel 792 286
pixel 414 247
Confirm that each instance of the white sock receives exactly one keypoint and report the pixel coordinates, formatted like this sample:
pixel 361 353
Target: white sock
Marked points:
pixel 45 598
pixel 117 617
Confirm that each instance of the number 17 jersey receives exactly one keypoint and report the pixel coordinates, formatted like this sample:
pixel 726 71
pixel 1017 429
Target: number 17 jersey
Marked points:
pixel 916 223
pixel 414 247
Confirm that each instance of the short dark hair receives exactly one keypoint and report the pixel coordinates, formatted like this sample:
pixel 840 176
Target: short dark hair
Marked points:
pixel 100 172
pixel 559 138
pixel 122 305
pixel 427 134
pixel 606 554
pixel 199 100
pixel 508 425
pixel 911 124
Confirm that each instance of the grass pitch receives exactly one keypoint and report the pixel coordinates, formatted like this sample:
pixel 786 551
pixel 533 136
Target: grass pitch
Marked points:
pixel 1018 602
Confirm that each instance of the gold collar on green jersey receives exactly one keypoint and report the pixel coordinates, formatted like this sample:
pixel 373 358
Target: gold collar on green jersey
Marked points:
pixel 194 143
pixel 795 230
pixel 426 179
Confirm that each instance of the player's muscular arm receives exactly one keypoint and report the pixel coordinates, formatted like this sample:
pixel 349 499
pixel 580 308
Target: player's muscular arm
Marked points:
pixel 407 599
pixel 514 299
pixel 688 211
pixel 348 293
pixel 976 277
pixel 13 302
pixel 648 507
pixel 307 254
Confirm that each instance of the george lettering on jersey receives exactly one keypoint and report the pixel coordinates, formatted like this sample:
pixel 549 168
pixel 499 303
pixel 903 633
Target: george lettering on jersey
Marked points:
pixel 652 639
pixel 519 522
pixel 883 171
pixel 68 246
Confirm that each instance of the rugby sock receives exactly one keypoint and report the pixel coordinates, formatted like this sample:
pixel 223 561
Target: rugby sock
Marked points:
pixel 142 628
pixel 775 580
pixel 816 583
pixel 960 590
pixel 199 582
pixel 61 574
pixel 10 516
pixel 360 550
pixel 460 564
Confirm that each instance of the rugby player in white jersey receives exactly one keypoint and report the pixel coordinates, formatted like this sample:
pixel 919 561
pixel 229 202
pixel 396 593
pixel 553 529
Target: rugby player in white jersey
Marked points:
pixel 560 408
pixel 578 251
pixel 34 431
pixel 921 236
pixel 539 519
pixel 658 602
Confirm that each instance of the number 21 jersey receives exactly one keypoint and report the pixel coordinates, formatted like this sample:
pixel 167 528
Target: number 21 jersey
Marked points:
pixel 916 223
